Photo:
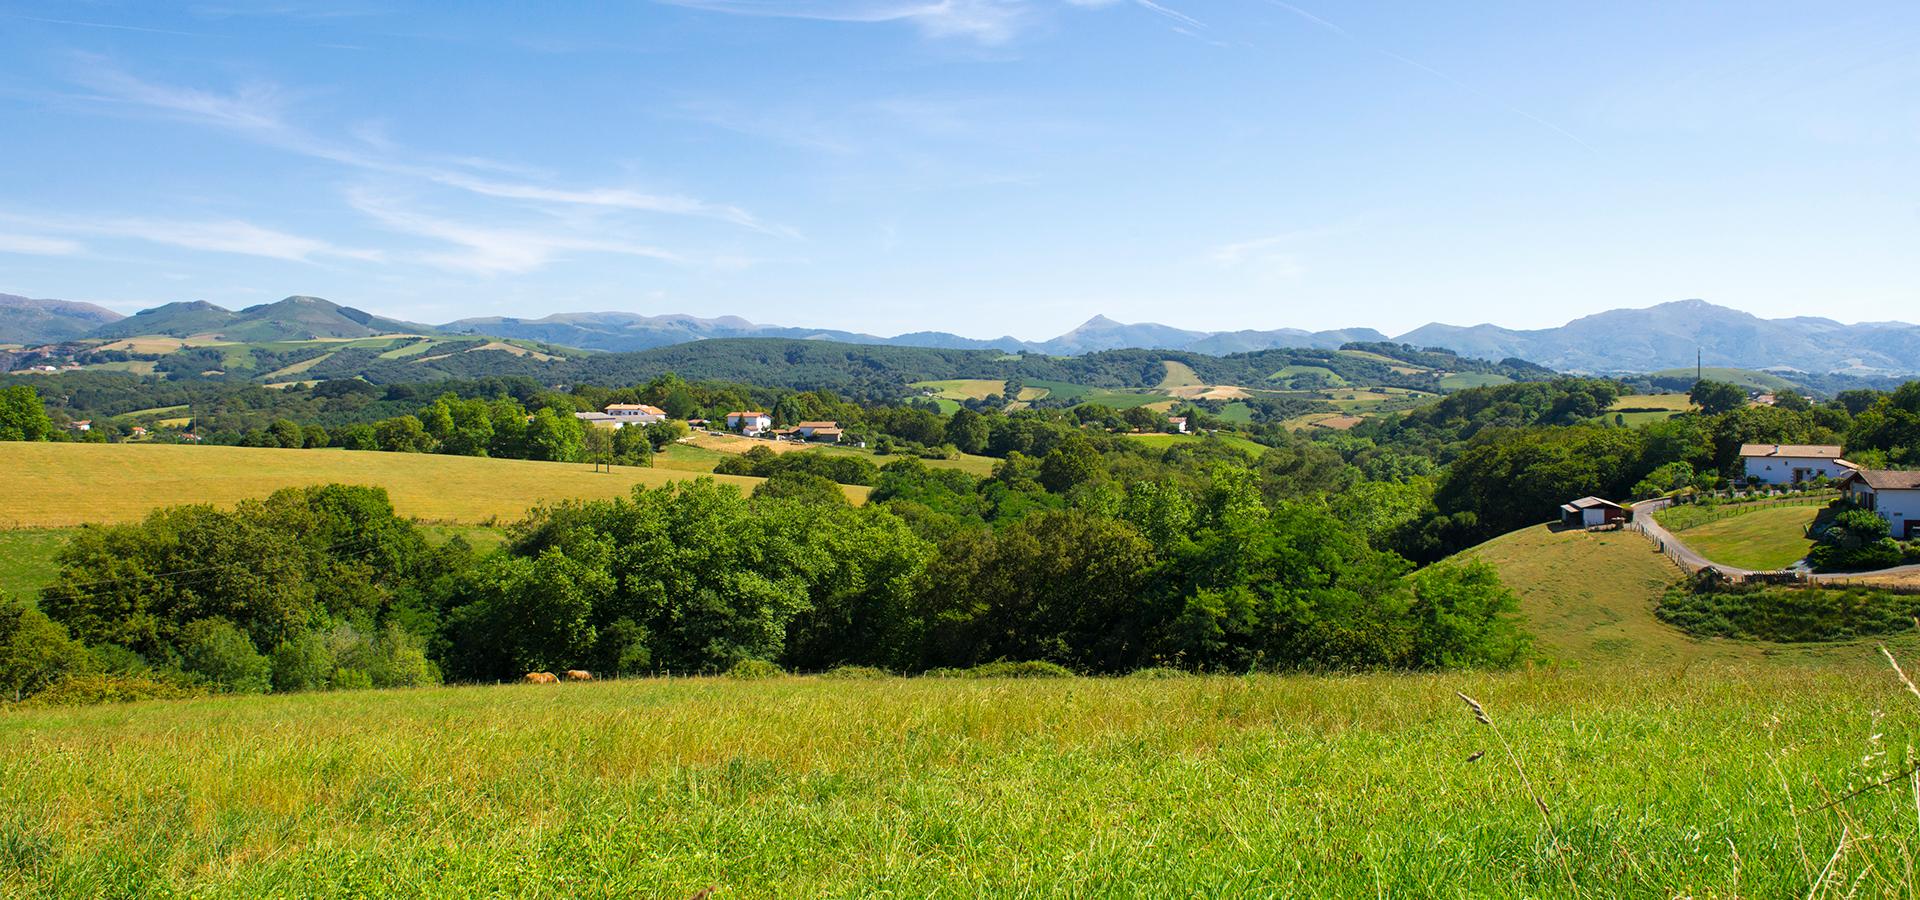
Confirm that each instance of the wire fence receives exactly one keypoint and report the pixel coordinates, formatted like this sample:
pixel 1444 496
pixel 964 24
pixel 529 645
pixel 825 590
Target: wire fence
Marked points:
pixel 1682 516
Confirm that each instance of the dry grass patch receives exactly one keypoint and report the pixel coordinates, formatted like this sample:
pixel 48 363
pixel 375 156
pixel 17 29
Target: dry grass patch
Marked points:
pixel 53 485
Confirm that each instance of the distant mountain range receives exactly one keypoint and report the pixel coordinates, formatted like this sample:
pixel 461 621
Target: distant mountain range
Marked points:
pixel 24 320
pixel 292 319
pixel 1618 341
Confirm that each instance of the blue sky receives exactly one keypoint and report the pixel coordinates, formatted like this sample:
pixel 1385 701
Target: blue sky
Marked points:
pixel 980 166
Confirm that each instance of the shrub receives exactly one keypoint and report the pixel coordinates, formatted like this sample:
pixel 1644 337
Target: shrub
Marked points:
pixel 214 650
pixel 1786 614
pixel 114 659
pixel 394 658
pixel 1855 539
pixel 346 679
pixel 35 651
pixel 101 687
pixel 755 669
pixel 1024 669
pixel 302 664
pixel 857 672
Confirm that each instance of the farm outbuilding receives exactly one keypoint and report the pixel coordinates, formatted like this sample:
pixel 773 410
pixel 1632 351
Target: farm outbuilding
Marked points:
pixel 1588 512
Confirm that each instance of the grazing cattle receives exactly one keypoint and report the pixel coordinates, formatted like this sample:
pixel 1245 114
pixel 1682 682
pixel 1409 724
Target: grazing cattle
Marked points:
pixel 578 675
pixel 540 678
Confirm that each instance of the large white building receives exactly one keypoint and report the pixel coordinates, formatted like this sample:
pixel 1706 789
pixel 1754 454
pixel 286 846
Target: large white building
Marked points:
pixel 1793 463
pixel 749 423
pixel 1894 495
pixel 636 413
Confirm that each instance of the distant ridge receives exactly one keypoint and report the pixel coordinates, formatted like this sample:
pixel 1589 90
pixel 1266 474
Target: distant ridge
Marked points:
pixel 1653 338
pixel 292 319
pixel 25 320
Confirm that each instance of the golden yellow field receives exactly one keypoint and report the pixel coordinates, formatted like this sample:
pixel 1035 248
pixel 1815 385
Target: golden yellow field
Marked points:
pixel 53 485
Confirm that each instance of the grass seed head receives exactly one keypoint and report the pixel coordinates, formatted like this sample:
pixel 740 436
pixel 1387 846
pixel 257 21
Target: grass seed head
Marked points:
pixel 1479 712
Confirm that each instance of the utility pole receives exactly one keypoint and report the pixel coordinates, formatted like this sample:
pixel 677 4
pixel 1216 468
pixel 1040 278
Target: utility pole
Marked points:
pixel 1699 372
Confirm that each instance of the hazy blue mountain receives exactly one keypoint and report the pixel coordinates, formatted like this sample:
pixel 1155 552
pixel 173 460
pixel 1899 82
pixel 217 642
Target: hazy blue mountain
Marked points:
pixel 1667 335
pixel 25 320
pixel 291 319
pixel 1616 341
pixel 177 319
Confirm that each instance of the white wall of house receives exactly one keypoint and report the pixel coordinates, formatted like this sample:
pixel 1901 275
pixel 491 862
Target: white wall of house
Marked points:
pixel 749 424
pixel 1781 469
pixel 1595 516
pixel 1900 508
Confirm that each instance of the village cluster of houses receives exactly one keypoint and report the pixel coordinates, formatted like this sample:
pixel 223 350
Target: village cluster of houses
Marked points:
pixel 748 423
pixel 1894 495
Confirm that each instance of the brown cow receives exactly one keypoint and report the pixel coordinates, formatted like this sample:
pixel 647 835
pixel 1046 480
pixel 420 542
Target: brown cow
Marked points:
pixel 540 678
pixel 578 675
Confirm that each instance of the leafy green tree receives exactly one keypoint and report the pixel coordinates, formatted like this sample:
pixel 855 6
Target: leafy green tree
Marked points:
pixel 459 427
pixel 662 435
pixel 355 437
pixel 216 651
pixel 301 663
pixel 286 434
pixel 1074 462
pixel 802 487
pixel 22 416
pixel 554 437
pixel 1061 586
pixel 313 437
pixel 968 431
pixel 1716 397
pixel 402 434
pixel 1464 617
pixel 530 614
pixel 35 651
pixel 632 447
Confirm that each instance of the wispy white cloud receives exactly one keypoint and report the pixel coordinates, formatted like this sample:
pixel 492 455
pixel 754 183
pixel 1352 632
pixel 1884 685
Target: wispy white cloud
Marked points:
pixel 214 235
pixel 257 112
pixel 35 245
pixel 483 250
pixel 984 21
pixel 987 21
pixel 1436 73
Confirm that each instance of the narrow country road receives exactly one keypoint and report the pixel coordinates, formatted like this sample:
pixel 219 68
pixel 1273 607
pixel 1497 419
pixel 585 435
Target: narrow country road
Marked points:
pixel 1691 560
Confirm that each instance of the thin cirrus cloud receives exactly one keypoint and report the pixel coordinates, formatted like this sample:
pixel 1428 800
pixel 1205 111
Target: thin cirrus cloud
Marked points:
pixel 233 236
pixel 36 245
pixel 482 250
pixel 985 21
pixel 257 112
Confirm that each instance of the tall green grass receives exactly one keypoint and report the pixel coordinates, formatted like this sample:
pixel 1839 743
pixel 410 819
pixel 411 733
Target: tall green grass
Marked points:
pixel 1702 781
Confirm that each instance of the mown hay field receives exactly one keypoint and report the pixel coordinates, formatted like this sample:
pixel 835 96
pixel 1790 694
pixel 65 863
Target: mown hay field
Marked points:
pixel 1664 781
pixel 54 485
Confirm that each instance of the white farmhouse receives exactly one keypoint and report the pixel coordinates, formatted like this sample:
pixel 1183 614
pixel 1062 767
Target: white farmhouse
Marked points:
pixel 1894 495
pixel 1793 463
pixel 636 413
pixel 825 432
pixel 749 423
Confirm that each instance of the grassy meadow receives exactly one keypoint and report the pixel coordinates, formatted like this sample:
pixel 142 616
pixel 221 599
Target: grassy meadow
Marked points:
pixel 1658 782
pixel 1666 766
pixel 26 560
pixel 55 485
pixel 1764 539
